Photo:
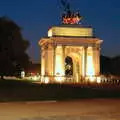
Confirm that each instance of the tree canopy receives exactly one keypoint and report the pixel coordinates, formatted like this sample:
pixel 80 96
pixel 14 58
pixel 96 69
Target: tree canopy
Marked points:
pixel 110 65
pixel 12 47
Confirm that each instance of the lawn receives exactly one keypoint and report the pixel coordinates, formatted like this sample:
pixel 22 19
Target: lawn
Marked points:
pixel 17 90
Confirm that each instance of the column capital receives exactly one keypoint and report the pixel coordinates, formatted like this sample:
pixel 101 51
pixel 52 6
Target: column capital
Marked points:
pixel 42 48
pixel 50 47
pixel 96 48
pixel 85 47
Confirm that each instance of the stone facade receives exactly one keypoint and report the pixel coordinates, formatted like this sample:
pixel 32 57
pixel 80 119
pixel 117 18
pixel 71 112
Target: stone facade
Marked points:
pixel 83 49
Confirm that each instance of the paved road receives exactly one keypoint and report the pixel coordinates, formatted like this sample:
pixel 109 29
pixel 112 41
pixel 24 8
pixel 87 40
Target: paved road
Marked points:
pixel 93 109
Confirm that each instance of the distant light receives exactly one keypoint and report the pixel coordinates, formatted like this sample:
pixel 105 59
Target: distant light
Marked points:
pixel 46 80
pixel 35 78
pixel 98 79
pixel 22 74
pixel 59 79
pixel 92 79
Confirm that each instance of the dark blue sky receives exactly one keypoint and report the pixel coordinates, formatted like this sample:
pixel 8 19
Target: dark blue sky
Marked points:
pixel 36 16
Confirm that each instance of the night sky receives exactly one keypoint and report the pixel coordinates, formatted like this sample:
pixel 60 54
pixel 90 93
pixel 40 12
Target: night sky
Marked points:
pixel 35 17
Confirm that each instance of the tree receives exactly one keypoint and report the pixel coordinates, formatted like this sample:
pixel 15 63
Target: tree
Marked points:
pixel 12 47
pixel 105 65
pixel 116 65
pixel 110 65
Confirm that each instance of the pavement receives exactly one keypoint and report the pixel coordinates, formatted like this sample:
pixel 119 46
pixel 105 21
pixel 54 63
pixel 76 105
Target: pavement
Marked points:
pixel 84 109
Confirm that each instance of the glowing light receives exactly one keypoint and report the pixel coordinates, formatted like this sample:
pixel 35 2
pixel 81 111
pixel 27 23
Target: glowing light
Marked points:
pixel 59 68
pixel 92 79
pixel 98 79
pixel 22 74
pixel 50 33
pixel 34 78
pixel 59 79
pixel 42 79
pixel 46 80
pixel 90 66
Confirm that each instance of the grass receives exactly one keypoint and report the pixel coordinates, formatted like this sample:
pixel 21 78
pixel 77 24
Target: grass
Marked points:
pixel 17 90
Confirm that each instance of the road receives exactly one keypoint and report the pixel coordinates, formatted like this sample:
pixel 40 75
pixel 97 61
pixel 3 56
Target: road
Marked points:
pixel 85 109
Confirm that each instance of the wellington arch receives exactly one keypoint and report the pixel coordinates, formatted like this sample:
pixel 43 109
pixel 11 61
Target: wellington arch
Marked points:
pixel 75 43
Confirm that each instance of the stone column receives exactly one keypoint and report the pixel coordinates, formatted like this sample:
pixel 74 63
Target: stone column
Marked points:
pixel 54 59
pixel 98 61
pixel 64 59
pixel 96 57
pixel 85 60
pixel 75 72
pixel 50 55
pixel 42 61
pixel 59 61
pixel 46 60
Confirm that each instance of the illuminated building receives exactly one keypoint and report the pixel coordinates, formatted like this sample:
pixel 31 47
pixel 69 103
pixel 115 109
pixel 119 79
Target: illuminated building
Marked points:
pixel 76 42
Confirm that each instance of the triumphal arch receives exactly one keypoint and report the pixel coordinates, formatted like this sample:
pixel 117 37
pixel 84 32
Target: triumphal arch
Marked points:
pixel 70 52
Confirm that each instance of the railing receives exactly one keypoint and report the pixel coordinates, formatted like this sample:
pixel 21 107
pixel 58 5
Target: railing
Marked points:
pixel 86 80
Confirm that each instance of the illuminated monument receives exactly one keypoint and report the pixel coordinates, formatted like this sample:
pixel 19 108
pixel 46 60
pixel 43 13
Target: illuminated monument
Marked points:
pixel 71 52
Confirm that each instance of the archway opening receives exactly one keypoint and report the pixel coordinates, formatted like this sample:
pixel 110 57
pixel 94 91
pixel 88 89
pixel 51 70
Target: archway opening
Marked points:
pixel 68 66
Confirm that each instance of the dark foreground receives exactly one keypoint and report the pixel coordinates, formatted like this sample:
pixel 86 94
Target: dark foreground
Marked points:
pixel 16 90
pixel 85 109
